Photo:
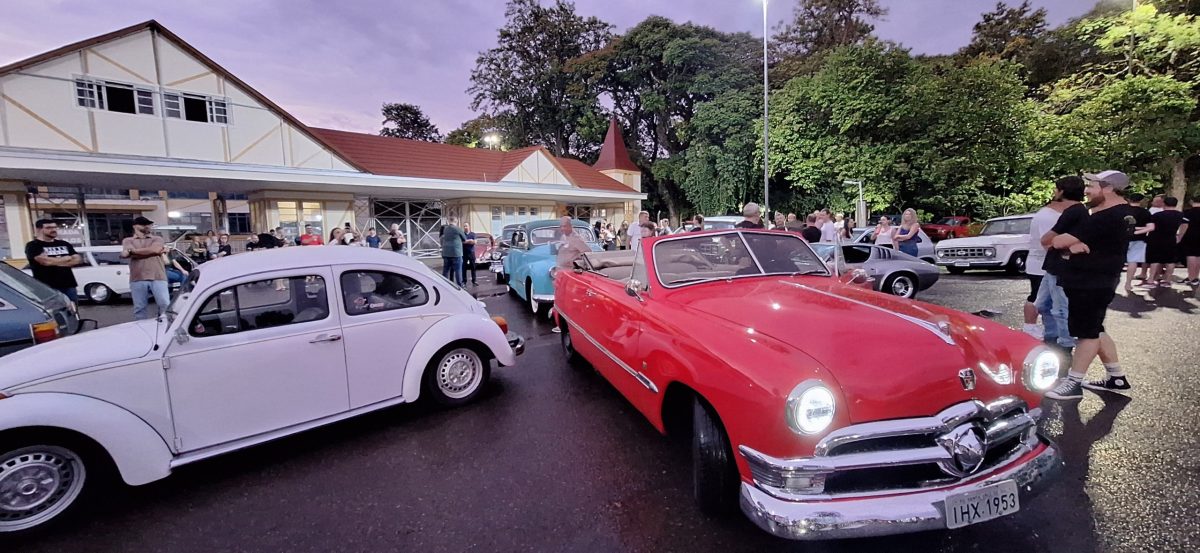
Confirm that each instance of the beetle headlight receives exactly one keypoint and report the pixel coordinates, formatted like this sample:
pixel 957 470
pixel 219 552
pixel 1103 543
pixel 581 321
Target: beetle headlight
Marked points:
pixel 810 407
pixel 1041 369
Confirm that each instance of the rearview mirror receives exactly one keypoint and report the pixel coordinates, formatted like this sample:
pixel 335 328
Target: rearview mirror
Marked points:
pixel 634 289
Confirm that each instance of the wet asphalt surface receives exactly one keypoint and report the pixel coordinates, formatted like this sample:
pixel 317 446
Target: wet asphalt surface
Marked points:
pixel 553 459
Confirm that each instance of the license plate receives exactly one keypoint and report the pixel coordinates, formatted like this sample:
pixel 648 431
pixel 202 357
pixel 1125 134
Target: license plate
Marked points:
pixel 982 505
pixel 962 263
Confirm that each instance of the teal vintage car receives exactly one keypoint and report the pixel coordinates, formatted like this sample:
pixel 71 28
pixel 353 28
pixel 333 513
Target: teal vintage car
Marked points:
pixel 532 252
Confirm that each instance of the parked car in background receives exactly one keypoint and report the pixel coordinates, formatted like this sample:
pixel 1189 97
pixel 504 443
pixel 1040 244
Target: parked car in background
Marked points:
pixel 484 246
pixel 533 252
pixel 1003 243
pixel 237 360
pixel 31 313
pixel 722 222
pixel 894 271
pixel 500 250
pixel 742 344
pixel 949 227
pixel 104 275
pixel 925 248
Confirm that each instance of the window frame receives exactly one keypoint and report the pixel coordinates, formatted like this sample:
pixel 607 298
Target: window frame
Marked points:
pixel 218 110
pixel 198 310
pixel 343 273
pixel 98 100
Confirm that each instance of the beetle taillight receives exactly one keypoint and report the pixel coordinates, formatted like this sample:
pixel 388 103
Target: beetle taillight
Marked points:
pixel 502 323
pixel 44 332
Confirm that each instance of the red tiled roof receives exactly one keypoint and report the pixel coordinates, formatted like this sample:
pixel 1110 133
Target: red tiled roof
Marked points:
pixel 399 157
pixel 614 155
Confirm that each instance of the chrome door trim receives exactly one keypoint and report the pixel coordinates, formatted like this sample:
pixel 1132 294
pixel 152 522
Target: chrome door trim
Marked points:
pixel 637 375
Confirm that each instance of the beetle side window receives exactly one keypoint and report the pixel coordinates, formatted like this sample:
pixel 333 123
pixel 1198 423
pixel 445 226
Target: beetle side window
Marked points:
pixel 366 292
pixel 262 304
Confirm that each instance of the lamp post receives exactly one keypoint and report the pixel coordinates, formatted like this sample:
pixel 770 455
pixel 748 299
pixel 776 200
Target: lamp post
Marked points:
pixel 860 209
pixel 766 123
pixel 491 139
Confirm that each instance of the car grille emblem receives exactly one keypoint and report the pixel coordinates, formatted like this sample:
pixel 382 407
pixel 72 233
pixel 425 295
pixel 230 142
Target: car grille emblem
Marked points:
pixel 967 446
pixel 967 378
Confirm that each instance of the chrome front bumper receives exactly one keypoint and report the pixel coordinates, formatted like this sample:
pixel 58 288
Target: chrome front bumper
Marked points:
pixel 543 298
pixel 886 514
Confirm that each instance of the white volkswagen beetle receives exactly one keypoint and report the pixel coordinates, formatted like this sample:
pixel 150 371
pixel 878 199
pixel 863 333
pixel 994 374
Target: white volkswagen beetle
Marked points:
pixel 253 348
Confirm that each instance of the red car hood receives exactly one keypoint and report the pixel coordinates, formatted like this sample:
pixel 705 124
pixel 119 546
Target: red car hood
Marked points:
pixel 891 357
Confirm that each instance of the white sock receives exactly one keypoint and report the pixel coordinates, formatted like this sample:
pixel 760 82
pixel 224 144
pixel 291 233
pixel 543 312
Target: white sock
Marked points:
pixel 1114 369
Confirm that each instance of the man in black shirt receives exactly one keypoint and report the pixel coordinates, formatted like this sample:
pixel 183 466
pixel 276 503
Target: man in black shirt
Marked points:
pixel 1190 244
pixel 1092 251
pixel 1137 242
pixel 51 259
pixel 1162 245
pixel 811 232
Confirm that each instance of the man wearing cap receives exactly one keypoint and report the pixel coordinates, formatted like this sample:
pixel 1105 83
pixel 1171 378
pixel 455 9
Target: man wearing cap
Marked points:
pixel 147 273
pixel 1093 253
pixel 752 217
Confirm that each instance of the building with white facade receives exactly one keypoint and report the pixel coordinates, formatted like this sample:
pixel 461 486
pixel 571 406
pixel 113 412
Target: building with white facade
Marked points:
pixel 138 122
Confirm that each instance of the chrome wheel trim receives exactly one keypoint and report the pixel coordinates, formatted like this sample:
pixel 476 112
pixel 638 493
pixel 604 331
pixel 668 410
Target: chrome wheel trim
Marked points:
pixel 902 286
pixel 533 304
pixel 37 484
pixel 95 295
pixel 459 373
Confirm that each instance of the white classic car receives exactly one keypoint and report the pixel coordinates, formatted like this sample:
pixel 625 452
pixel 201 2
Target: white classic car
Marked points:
pixel 103 276
pixel 1002 244
pixel 254 347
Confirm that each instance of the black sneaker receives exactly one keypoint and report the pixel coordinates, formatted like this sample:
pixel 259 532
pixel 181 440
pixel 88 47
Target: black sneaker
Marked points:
pixel 1111 384
pixel 1066 389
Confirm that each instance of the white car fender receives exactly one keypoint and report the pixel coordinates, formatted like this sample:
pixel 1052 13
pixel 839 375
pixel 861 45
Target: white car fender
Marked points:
pixel 467 326
pixel 140 454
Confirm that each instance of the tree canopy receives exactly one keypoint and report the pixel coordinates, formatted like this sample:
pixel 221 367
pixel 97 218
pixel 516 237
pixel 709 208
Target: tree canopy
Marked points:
pixel 408 121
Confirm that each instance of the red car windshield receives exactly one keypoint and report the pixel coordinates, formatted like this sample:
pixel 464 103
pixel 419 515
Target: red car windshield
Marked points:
pixel 733 254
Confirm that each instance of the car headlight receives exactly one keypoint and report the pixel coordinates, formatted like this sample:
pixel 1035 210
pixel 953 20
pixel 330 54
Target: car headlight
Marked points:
pixel 941 253
pixel 810 407
pixel 553 271
pixel 989 252
pixel 1041 369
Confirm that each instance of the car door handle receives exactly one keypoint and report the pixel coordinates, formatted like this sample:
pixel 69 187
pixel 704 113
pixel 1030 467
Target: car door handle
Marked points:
pixel 326 338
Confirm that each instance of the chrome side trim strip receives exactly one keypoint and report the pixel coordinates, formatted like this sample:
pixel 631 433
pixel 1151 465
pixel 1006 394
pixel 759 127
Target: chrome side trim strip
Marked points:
pixel 641 378
pixel 934 329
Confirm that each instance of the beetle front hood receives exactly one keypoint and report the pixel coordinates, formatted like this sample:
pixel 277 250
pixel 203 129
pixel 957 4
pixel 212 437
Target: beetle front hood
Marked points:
pixel 88 349
pixel 879 348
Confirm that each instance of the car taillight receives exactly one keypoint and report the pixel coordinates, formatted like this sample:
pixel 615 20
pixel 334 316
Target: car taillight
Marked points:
pixel 502 323
pixel 44 332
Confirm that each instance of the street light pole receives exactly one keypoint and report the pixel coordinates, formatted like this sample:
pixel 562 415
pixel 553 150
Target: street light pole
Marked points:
pixel 766 124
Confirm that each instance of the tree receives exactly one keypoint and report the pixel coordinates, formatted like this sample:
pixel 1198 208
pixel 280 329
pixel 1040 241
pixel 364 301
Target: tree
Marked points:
pixel 472 133
pixel 720 169
pixel 820 26
pixel 408 121
pixel 528 78
pixel 1007 33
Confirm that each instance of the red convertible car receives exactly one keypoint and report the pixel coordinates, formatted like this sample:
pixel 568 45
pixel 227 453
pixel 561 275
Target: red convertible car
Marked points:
pixel 822 409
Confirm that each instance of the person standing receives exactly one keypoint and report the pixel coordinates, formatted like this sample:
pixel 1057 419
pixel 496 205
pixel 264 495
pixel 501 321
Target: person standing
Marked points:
pixel 51 259
pixel 908 234
pixel 1051 301
pixel 147 273
pixel 1041 223
pixel 751 217
pixel 697 223
pixel 396 238
pixel 1095 250
pixel 792 222
pixel 452 251
pixel 1190 244
pixel 469 254
pixel 885 234
pixel 829 231
pixel 623 236
pixel 223 247
pixel 1137 242
pixel 780 221
pixel 373 239
pixel 310 237
pixel 1162 244
pixel 639 230
pixel 1157 204
pixel 573 246
pixel 812 231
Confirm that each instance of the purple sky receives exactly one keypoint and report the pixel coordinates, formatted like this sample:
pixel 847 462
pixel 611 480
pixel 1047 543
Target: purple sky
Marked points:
pixel 334 64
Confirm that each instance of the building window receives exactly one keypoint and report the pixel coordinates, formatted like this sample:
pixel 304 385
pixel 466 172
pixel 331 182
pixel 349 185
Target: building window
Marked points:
pixel 191 107
pixel 239 223
pixel 110 96
pixel 533 213
pixel 187 195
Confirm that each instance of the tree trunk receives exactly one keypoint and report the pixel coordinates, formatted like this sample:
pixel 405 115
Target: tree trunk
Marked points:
pixel 1178 178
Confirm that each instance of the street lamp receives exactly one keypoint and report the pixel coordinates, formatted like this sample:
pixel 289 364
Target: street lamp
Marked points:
pixel 491 139
pixel 860 209
pixel 766 122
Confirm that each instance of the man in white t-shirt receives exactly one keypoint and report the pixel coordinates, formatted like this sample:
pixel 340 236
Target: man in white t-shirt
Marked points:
pixel 636 230
pixel 829 231
pixel 1042 222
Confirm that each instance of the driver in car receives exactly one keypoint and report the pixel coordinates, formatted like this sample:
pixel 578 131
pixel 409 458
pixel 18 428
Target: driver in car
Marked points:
pixel 572 247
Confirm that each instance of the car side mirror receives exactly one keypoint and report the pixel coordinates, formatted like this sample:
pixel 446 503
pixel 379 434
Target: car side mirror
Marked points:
pixel 859 276
pixel 181 335
pixel 634 289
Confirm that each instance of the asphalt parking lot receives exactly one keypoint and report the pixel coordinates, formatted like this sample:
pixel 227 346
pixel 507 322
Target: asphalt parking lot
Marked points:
pixel 553 459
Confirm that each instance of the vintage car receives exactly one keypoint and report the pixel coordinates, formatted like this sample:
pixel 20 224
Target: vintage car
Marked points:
pixel 894 272
pixel 500 250
pixel 950 227
pixel 742 343
pixel 532 253
pixel 1002 244
pixel 485 244
pixel 31 313
pixel 255 347
pixel 103 276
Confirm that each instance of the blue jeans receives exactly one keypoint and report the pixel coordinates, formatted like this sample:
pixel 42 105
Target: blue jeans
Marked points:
pixel 71 293
pixel 141 291
pixel 454 264
pixel 1051 303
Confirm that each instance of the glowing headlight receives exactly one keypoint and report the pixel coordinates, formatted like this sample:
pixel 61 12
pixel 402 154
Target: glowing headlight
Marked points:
pixel 810 407
pixel 1041 369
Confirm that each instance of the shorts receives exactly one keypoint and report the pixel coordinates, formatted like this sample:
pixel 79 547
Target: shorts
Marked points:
pixel 1191 248
pixel 1162 252
pixel 1035 284
pixel 1136 252
pixel 1086 308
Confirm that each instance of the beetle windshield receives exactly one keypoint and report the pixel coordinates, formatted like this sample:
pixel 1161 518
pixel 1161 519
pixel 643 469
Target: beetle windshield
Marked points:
pixel 733 254
pixel 546 235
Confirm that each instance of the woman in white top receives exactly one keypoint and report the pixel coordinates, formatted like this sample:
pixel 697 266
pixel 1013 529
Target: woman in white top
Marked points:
pixel 885 233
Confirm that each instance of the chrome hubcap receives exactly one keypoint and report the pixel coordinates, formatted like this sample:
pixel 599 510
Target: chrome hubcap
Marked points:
pixel 460 373
pixel 99 293
pixel 901 287
pixel 36 484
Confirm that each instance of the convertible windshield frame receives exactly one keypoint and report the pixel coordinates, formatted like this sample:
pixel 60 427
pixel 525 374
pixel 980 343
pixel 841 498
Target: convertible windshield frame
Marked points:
pixel 754 257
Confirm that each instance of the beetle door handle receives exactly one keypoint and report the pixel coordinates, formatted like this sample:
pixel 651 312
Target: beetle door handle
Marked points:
pixel 326 338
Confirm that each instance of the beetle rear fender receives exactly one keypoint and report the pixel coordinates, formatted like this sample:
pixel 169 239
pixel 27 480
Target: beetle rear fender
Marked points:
pixel 465 327
pixel 138 451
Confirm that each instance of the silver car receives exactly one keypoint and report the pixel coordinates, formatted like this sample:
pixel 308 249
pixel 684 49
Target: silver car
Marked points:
pixel 925 249
pixel 895 272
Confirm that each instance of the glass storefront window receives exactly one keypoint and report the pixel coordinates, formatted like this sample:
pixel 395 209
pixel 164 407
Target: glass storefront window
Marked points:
pixel 293 216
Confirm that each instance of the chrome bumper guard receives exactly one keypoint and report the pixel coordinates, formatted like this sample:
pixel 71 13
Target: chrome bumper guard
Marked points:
pixel 516 342
pixel 891 477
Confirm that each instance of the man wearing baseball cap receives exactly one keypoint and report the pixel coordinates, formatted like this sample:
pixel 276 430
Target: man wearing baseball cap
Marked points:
pixel 147 273
pixel 1093 254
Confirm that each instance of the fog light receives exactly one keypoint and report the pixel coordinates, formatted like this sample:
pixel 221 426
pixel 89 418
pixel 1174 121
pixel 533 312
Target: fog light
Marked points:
pixel 804 483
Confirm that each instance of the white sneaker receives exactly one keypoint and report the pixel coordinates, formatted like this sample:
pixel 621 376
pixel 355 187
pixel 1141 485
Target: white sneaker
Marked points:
pixel 1033 330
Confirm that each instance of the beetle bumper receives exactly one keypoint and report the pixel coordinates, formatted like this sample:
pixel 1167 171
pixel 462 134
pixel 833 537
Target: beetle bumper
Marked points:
pixel 516 342
pixel 885 515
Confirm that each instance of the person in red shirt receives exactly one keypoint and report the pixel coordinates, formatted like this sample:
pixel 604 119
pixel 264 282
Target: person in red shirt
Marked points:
pixel 311 237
